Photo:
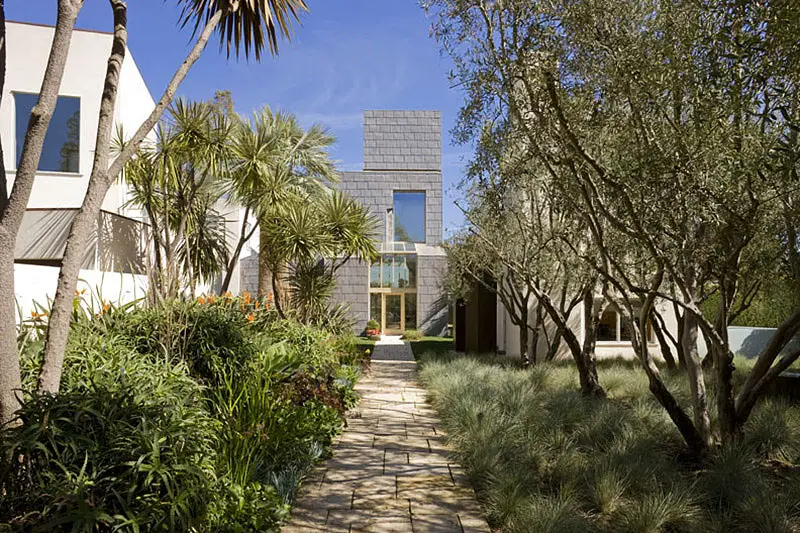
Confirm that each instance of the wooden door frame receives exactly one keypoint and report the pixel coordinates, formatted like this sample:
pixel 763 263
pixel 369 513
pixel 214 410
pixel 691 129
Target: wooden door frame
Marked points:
pixel 393 292
pixel 384 298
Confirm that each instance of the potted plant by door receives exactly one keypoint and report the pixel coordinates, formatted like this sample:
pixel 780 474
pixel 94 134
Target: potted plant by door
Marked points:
pixel 373 330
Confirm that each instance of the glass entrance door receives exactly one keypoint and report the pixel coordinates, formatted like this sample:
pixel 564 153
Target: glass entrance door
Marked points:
pixel 394 312
pixel 393 305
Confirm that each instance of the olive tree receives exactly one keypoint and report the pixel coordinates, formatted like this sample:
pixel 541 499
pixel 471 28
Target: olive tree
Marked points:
pixel 668 127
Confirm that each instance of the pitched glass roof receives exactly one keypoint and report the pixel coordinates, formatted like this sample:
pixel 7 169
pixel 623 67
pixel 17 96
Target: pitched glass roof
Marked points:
pixel 397 247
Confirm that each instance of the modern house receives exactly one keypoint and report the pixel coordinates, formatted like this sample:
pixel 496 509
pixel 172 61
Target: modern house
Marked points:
pixel 401 184
pixel 114 259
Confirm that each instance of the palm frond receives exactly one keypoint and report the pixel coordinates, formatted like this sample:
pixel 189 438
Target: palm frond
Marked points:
pixel 245 24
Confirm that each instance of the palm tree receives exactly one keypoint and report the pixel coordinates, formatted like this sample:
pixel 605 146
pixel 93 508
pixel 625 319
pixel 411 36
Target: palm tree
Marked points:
pixel 277 164
pixel 247 25
pixel 316 237
pixel 351 227
pixel 176 182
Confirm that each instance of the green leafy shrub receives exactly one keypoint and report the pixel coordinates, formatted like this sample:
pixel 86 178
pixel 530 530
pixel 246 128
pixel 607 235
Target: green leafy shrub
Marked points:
pixel 373 325
pixel 242 509
pixel 199 415
pixel 210 335
pixel 412 335
pixel 128 444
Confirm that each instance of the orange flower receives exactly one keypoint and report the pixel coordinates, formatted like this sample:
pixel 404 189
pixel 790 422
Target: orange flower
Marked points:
pixel 201 300
pixel 257 304
pixel 246 297
pixel 270 297
pixel 251 317
pixel 106 306
pixel 79 292
pixel 228 295
pixel 211 299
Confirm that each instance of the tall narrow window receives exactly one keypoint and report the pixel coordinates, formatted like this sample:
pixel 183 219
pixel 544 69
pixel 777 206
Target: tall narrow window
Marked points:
pixel 61 149
pixel 409 216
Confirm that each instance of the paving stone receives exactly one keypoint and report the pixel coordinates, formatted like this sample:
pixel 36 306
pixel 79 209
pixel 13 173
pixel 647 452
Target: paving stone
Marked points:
pixel 321 499
pixel 365 520
pixel 442 523
pixel 438 457
pixel 473 523
pixel 391 470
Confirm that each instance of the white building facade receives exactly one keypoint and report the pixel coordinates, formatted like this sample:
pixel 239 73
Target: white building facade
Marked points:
pixel 114 263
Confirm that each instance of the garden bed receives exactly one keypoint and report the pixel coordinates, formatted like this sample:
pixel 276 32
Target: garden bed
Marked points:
pixel 201 416
pixel 545 459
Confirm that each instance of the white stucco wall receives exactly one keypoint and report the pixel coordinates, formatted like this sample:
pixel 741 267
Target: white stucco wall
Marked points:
pixel 508 335
pixel 34 284
pixel 28 50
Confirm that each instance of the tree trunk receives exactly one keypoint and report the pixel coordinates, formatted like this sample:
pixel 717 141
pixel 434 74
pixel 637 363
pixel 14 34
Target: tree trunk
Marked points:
pixel 88 216
pixel 100 180
pixel 244 236
pixel 763 372
pixel 3 181
pixel 723 366
pixel 687 429
pixel 264 266
pixel 555 344
pixel 523 338
pixel 679 347
pixel 591 321
pixel 10 380
pixel 587 370
pixel 694 371
pixel 276 294
pixel 14 208
pixel 666 351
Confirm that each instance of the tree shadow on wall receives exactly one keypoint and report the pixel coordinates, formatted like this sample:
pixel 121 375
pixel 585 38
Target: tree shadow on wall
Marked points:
pixel 435 322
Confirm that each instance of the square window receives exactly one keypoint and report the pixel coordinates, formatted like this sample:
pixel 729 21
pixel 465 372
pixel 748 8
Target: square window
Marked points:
pixel 61 149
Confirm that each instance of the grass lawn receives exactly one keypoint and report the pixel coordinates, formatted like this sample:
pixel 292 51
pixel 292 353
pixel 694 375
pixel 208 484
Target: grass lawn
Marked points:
pixel 432 345
pixel 545 459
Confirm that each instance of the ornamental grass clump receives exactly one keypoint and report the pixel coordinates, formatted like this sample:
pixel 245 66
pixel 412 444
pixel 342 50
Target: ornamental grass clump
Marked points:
pixel 542 457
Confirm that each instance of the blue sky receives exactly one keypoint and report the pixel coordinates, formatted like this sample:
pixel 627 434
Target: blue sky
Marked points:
pixel 347 56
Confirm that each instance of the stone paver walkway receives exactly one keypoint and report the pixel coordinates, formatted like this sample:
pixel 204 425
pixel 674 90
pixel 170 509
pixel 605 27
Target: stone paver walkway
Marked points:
pixel 390 470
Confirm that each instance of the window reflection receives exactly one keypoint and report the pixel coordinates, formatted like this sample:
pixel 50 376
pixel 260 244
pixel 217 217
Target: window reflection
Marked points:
pixel 607 329
pixel 397 271
pixel 614 327
pixel 61 149
pixel 409 216
pixel 375 274
pixel 411 310
pixel 375 307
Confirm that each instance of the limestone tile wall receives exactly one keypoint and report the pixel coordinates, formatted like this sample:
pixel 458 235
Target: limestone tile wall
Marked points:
pixel 402 140
pixel 432 306
pixel 352 281
pixel 248 274
pixel 376 191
